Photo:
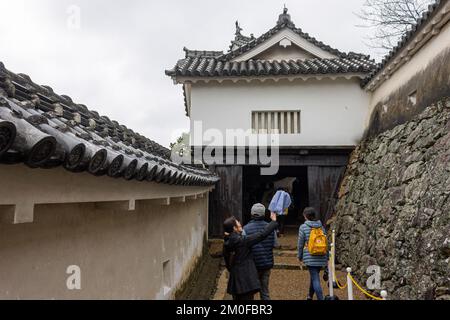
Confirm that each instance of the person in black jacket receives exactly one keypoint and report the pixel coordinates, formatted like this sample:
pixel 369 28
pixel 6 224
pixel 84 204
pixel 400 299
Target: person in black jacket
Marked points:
pixel 243 282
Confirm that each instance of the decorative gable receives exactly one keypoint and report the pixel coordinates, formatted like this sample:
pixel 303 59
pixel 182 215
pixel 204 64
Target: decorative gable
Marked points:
pixel 283 42
pixel 285 45
pixel 284 52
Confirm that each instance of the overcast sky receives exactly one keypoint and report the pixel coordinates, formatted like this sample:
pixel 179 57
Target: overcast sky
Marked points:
pixel 114 60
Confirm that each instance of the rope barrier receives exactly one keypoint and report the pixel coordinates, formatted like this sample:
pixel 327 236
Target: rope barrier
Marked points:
pixel 350 278
pixel 342 287
pixel 335 279
pixel 364 291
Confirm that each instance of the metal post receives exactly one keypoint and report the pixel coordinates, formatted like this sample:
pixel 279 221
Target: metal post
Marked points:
pixel 349 284
pixel 330 277
pixel 384 294
pixel 333 247
pixel 333 250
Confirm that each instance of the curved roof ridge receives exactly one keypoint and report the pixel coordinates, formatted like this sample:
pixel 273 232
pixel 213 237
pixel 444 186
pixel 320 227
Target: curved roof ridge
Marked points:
pixel 284 21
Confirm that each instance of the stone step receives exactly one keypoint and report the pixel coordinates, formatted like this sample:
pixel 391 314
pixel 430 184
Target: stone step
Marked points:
pixel 285 253
pixel 286 247
pixel 289 262
pixel 282 266
pixel 289 266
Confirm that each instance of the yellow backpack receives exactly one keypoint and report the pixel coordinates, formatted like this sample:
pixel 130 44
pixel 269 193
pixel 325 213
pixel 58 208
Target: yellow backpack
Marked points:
pixel 317 245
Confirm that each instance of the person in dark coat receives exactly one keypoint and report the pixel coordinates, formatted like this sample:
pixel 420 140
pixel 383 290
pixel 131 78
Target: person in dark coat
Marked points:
pixel 263 251
pixel 243 282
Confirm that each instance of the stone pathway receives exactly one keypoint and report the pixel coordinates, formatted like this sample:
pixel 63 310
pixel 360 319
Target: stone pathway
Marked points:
pixel 289 280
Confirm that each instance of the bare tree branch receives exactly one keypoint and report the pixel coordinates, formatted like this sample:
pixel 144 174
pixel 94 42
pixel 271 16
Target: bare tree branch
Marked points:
pixel 390 20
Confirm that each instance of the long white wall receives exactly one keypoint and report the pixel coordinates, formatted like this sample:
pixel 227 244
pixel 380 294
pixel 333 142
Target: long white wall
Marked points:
pixel 418 62
pixel 333 112
pixel 145 253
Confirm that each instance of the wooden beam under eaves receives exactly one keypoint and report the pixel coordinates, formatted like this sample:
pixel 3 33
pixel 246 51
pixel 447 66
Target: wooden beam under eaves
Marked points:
pixel 159 202
pixel 17 214
pixel 126 205
pixel 192 197
pixel 178 199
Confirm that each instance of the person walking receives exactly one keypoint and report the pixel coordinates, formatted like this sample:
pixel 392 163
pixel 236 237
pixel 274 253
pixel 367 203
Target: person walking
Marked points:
pixel 280 204
pixel 311 237
pixel 243 281
pixel 263 251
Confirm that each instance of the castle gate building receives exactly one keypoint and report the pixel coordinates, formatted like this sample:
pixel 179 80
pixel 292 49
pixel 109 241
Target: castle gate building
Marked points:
pixel 284 83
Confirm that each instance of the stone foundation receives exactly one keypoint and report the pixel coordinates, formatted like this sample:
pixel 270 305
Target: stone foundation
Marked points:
pixel 394 207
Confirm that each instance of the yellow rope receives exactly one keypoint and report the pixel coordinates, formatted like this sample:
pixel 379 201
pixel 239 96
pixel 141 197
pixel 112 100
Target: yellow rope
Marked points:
pixel 364 291
pixel 334 275
pixel 342 287
pixel 353 280
pixel 356 284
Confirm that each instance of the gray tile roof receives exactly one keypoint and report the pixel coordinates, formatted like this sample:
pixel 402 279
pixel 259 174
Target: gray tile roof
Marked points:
pixel 406 39
pixel 240 41
pixel 201 53
pixel 284 21
pixel 214 67
pixel 217 63
pixel 43 129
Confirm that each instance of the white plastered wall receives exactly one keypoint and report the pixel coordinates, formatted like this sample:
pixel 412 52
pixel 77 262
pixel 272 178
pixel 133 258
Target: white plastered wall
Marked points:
pixel 333 112
pixel 418 62
pixel 120 251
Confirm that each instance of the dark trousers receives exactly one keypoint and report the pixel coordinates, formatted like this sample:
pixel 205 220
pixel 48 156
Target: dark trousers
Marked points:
pixel 281 221
pixel 315 287
pixel 264 277
pixel 244 297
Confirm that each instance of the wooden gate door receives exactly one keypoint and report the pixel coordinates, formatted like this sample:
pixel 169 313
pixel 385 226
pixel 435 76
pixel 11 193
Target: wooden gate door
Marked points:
pixel 226 199
pixel 322 184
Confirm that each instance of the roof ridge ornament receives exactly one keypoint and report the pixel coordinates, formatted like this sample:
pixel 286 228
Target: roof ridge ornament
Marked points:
pixel 240 39
pixel 238 29
pixel 285 18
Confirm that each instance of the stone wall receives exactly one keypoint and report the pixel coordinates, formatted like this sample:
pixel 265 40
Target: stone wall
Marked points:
pixel 394 207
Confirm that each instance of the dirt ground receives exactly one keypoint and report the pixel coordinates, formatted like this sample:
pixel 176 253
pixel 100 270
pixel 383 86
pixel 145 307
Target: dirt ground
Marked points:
pixel 288 241
pixel 203 282
pixel 287 285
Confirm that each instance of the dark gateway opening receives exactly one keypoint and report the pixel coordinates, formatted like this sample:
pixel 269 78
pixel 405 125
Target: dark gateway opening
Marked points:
pixel 260 189
pixel 316 172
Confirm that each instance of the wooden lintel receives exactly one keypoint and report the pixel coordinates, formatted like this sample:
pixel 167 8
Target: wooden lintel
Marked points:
pixel 201 195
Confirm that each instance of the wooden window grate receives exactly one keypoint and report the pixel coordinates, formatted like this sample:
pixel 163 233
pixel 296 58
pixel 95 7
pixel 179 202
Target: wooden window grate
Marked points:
pixel 276 122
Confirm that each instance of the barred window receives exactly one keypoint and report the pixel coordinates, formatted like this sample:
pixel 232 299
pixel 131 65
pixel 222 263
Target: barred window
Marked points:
pixel 276 122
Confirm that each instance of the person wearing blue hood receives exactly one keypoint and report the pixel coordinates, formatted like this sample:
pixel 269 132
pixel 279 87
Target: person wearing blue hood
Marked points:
pixel 315 263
